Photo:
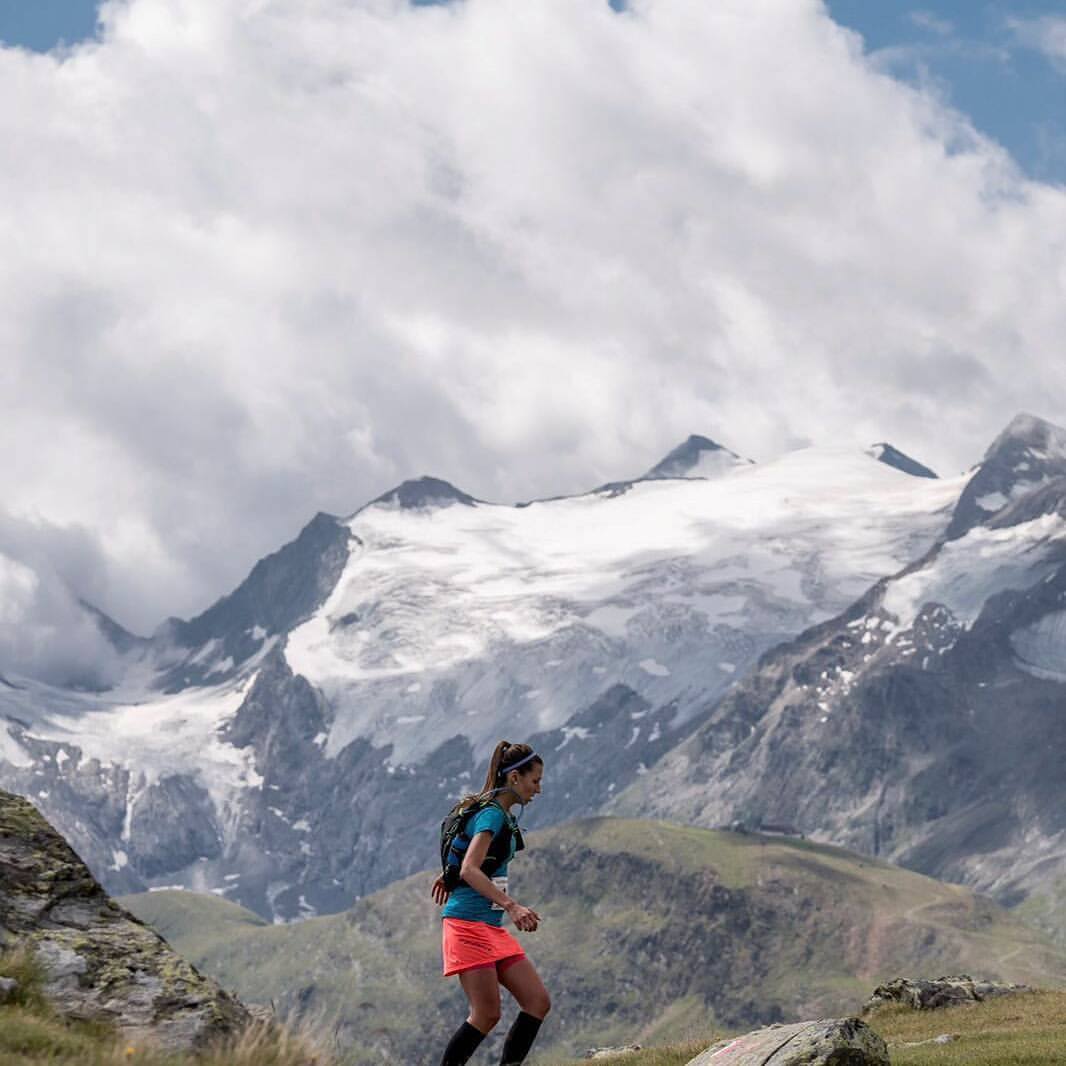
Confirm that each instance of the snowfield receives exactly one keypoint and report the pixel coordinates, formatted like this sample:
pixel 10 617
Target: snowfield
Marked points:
pixel 469 602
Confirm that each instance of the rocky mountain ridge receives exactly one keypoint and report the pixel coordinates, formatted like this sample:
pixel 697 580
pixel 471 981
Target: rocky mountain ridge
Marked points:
pixel 922 724
pixel 293 746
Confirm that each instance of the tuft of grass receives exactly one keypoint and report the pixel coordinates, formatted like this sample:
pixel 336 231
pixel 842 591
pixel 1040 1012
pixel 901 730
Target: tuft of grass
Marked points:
pixel 21 964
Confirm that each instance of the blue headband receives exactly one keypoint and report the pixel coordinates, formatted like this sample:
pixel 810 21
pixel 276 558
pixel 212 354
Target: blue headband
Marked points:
pixel 521 762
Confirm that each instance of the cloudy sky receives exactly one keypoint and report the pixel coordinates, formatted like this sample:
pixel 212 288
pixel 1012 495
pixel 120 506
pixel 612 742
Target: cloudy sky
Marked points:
pixel 266 258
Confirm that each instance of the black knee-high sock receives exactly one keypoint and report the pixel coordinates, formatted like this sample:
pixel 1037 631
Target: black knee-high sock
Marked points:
pixel 520 1039
pixel 462 1045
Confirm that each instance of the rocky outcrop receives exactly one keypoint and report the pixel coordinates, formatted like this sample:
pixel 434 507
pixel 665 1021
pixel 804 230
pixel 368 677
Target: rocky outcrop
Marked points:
pixel 943 992
pixel 98 961
pixel 847 1042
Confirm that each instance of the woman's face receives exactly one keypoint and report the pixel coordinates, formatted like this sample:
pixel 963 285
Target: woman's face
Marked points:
pixel 527 785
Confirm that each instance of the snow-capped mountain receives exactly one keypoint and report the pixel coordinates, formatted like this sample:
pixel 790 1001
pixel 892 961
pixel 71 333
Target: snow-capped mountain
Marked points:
pixel 295 745
pixel 925 723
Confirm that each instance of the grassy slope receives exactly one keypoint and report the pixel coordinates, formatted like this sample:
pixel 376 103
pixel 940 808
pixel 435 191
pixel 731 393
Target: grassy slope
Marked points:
pixel 651 932
pixel 1028 1030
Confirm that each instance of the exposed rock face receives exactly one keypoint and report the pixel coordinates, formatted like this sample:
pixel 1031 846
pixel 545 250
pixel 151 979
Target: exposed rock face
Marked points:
pixel 697 457
pixel 943 992
pixel 100 963
pixel 886 453
pixel 1027 454
pixel 849 1042
pixel 425 492
pixel 281 590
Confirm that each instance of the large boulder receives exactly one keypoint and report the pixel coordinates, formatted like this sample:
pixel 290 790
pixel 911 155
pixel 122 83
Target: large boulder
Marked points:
pixel 844 1042
pixel 98 961
pixel 943 992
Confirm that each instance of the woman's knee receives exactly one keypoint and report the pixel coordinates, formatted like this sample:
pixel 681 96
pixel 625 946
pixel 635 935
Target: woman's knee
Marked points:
pixel 539 1004
pixel 485 1018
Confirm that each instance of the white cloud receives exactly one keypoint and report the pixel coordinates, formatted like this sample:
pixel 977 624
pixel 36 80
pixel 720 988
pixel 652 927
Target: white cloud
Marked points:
pixel 1045 33
pixel 44 631
pixel 263 258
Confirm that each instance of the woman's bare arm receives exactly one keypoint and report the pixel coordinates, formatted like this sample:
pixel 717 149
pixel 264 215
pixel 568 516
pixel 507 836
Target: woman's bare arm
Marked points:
pixel 525 919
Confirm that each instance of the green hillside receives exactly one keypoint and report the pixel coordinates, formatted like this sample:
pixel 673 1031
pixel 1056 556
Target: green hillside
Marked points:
pixel 651 932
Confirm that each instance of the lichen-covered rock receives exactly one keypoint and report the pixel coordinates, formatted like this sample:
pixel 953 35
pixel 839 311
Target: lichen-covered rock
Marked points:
pixel 943 992
pixel 843 1042
pixel 98 961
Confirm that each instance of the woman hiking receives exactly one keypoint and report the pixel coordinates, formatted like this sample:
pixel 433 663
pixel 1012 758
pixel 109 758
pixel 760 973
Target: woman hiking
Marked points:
pixel 475 944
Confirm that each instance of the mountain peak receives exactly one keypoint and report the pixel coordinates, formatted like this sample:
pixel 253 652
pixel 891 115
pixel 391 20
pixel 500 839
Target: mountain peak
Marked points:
pixel 697 457
pixel 891 456
pixel 424 492
pixel 1032 432
pixel 1028 454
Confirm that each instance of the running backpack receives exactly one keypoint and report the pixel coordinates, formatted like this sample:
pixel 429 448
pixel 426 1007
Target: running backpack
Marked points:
pixel 454 840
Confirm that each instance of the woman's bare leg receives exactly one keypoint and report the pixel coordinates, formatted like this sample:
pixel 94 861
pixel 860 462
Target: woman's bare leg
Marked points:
pixel 482 988
pixel 524 983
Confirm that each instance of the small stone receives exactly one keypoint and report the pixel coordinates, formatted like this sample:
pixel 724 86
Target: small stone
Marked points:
pixel 610 1052
pixel 9 989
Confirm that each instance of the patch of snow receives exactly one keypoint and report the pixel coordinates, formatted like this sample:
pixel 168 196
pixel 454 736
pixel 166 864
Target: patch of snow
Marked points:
pixel 992 501
pixel 650 666
pixel 965 573
pixel 569 732
pixel 258 632
pixel 302 826
pixel 633 739
pixel 611 619
pixel 729 668
pixel 410 719
pixel 119 860
pixel 207 651
pixel 166 888
pixel 222 667
pixel 232 877
pixel 415 686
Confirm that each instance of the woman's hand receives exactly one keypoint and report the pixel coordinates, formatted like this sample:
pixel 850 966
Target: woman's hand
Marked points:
pixel 524 919
pixel 440 893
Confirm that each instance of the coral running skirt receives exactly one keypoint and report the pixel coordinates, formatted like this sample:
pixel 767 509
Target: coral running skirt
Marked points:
pixel 473 945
